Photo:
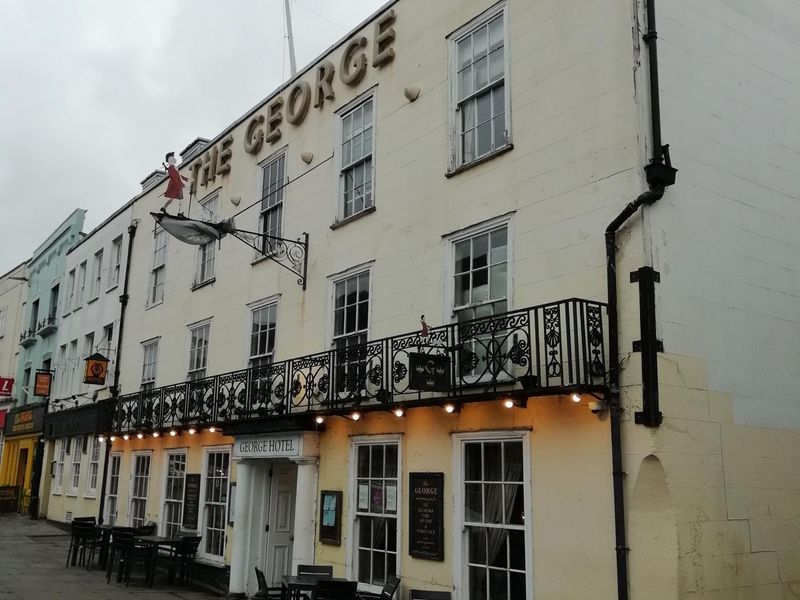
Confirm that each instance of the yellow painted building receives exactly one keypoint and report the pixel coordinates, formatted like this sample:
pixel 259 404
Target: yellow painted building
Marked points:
pixel 22 434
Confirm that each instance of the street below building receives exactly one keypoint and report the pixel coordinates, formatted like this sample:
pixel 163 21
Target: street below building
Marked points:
pixel 33 553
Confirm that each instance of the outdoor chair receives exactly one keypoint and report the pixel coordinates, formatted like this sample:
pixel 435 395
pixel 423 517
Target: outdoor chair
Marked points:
pixel 92 520
pixel 328 589
pixel 121 548
pixel 83 536
pixel 387 593
pixel 317 570
pixel 182 559
pixel 428 595
pixel 146 529
pixel 265 592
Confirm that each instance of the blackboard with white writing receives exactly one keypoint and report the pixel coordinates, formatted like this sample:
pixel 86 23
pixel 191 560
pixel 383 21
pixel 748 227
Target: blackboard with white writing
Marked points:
pixel 191 501
pixel 426 511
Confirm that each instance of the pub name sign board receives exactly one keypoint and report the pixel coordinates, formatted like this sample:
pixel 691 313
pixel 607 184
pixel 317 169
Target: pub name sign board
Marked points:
pixel 426 512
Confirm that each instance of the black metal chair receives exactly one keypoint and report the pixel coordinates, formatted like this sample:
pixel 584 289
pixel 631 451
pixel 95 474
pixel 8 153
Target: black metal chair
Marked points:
pixel 264 591
pixel 146 529
pixel 329 589
pixel 387 593
pixel 83 536
pixel 316 570
pixel 428 595
pixel 120 548
pixel 183 559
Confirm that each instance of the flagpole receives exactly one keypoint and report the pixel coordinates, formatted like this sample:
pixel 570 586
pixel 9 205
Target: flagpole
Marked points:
pixel 290 37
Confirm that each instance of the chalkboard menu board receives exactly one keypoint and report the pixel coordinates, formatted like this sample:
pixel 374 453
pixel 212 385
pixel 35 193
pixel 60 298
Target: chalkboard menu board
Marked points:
pixel 191 501
pixel 426 511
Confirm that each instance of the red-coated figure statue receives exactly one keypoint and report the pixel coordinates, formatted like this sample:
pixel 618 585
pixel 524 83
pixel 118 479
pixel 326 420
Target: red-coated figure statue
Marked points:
pixel 175 185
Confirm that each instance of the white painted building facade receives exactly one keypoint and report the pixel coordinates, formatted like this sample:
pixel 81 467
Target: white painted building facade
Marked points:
pixel 467 166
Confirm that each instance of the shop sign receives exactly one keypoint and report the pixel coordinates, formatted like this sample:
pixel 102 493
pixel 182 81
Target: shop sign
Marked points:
pixel 191 501
pixel 96 369
pixel 429 372
pixel 6 385
pixel 426 515
pixel 41 383
pixel 282 446
pixel 26 420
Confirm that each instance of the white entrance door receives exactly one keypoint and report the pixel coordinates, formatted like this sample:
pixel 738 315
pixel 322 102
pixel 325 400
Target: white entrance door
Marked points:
pixel 280 522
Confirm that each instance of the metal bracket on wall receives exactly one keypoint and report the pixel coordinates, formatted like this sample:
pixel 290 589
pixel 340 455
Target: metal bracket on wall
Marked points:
pixel 292 255
pixel 649 346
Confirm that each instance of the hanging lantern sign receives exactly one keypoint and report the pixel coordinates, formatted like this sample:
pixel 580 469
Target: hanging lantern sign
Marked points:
pixel 41 383
pixel 96 369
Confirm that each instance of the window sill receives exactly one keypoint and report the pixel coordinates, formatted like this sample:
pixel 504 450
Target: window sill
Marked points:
pixel 479 161
pixel 355 217
pixel 154 304
pixel 213 562
pixel 72 495
pixel 202 284
pixel 77 308
pixel 56 493
pixel 90 496
pixel 92 300
pixel 66 314
pixel 112 288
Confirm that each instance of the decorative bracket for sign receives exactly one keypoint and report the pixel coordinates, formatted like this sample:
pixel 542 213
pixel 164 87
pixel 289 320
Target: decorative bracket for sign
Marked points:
pixel 292 255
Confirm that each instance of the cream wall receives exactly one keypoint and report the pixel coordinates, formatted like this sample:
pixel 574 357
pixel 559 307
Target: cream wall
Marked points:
pixel 723 466
pixel 194 445
pixel 82 503
pixel 12 298
pixel 573 528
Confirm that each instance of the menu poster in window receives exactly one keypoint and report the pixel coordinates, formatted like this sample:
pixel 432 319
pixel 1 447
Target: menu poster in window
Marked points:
pixel 426 512
pixel 191 501
pixel 363 496
pixel 330 517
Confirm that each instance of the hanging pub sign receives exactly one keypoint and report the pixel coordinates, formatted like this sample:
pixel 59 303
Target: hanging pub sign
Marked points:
pixel 96 369
pixel 41 383
pixel 429 372
pixel 426 512
pixel 6 385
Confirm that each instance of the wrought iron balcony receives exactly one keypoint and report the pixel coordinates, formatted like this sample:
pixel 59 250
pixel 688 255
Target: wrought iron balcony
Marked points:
pixel 543 350
pixel 27 338
pixel 46 326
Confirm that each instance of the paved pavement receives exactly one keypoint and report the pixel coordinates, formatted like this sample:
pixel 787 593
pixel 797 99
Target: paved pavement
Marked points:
pixel 32 557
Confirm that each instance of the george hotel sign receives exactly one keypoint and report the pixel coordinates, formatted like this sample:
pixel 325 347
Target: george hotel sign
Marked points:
pixel 264 127
pixel 267 446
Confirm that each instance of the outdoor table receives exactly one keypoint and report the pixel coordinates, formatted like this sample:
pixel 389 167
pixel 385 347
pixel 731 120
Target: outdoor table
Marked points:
pixel 302 583
pixel 105 542
pixel 154 542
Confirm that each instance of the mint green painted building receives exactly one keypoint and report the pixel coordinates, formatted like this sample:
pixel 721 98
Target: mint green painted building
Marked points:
pixel 47 300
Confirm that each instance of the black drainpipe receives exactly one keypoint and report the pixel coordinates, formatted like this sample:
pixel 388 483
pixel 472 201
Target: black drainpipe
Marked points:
pixel 659 177
pixel 123 300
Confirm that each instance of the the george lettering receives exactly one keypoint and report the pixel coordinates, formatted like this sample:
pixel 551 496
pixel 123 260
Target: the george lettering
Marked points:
pixel 382 51
pixel 225 155
pixel 274 118
pixel 254 136
pixel 324 89
pixel 298 102
pixel 353 66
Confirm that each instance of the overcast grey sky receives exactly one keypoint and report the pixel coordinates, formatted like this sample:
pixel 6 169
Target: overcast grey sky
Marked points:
pixel 93 93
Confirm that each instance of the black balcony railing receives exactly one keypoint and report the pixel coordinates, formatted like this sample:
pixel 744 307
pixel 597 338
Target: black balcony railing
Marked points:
pixel 27 337
pixel 543 350
pixel 46 326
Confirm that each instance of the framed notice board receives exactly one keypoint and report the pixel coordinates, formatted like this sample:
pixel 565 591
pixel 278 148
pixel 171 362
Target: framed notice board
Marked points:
pixel 330 517
pixel 191 501
pixel 426 515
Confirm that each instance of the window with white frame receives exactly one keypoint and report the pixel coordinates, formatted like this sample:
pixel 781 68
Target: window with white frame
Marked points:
pixel 376 531
pixel 116 262
pixel 206 254
pixel 75 465
pixel 112 504
pixel 173 492
pixel 215 502
pixel 72 365
pixel 273 184
pixel 94 466
pixel 478 83
pixel 158 274
pixel 88 345
pixel 62 371
pixel 350 328
pixel 149 364
pixel 58 469
pixel 262 335
pixel 493 499
pixel 81 285
pixel 70 303
pixel 3 317
pixel 198 351
pixel 98 273
pixel 139 489
pixel 480 283
pixel 357 166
